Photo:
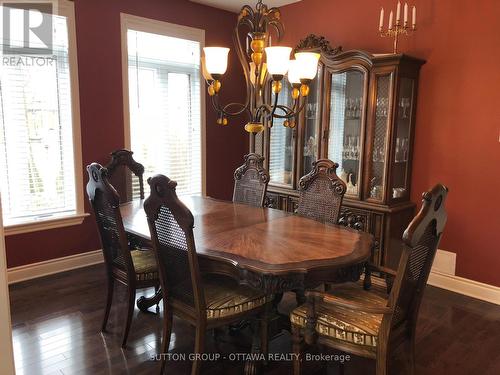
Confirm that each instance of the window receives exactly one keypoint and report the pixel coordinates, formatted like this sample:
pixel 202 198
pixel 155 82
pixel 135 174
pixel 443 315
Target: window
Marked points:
pixel 40 156
pixel 164 101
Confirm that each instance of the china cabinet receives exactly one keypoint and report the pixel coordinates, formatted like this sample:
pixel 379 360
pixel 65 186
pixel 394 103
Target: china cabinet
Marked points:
pixel 360 113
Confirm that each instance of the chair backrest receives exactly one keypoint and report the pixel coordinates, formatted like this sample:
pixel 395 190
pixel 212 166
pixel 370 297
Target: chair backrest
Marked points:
pixel 171 226
pixel 105 202
pixel 421 240
pixel 250 181
pixel 321 192
pixel 124 158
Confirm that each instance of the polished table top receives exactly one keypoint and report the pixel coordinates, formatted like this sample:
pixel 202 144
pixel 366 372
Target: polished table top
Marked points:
pixel 261 239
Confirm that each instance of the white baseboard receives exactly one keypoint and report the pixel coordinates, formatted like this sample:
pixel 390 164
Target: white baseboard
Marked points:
pixel 51 266
pixel 471 288
pixel 443 276
pixel 445 262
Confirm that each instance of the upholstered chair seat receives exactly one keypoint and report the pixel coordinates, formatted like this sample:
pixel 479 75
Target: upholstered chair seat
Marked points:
pixel 225 297
pixel 144 264
pixel 344 324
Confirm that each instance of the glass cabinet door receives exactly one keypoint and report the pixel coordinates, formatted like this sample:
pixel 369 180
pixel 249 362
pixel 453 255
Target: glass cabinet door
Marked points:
pixel 379 138
pixel 345 136
pixel 399 162
pixel 312 124
pixel 281 146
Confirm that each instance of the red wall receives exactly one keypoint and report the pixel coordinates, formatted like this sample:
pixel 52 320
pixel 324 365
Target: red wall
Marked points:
pixel 101 106
pixel 458 116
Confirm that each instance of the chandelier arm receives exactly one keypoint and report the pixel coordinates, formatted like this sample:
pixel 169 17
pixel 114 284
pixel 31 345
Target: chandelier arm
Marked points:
pixel 225 109
pixel 289 112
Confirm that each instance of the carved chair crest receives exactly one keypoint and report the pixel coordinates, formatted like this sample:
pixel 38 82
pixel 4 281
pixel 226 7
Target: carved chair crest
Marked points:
pixel 125 158
pixel 328 169
pixel 255 162
pixel 250 181
pixel 321 192
pixel 432 209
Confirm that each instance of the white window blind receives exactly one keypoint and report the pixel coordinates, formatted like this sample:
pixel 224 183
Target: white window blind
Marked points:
pixel 37 172
pixel 164 104
pixel 337 121
pixel 280 149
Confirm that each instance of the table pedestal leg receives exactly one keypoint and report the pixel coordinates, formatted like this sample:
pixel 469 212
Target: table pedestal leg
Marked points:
pixel 253 366
pixel 144 303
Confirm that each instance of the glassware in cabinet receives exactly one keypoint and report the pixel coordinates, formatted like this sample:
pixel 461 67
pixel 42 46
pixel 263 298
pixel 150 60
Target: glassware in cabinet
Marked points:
pixel 345 134
pixel 400 157
pixel 379 143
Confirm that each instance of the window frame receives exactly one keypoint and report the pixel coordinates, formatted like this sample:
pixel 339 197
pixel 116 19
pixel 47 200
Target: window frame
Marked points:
pixel 147 25
pixel 66 9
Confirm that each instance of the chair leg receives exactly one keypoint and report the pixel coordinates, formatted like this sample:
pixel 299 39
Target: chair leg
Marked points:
pixel 109 300
pixel 298 345
pixel 167 333
pixel 341 368
pixel 411 356
pixel 199 347
pixel 130 313
pixel 157 288
pixel 382 361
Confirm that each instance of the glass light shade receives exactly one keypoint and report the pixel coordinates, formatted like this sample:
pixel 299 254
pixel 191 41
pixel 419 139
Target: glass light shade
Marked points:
pixel 277 60
pixel 216 59
pixel 308 63
pixel 294 71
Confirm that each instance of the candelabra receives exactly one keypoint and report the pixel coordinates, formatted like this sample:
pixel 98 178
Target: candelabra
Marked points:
pixel 396 29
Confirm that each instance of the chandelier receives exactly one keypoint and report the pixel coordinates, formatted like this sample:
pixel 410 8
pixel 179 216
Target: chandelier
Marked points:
pixel 264 67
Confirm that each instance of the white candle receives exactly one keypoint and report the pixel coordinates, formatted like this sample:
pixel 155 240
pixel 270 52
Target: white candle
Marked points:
pixel 390 20
pixel 406 15
pixel 381 21
pixel 398 13
pixel 414 17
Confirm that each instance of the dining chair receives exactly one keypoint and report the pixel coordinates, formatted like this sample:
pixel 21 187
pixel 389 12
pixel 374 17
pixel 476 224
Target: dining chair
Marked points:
pixel 134 268
pixel 321 192
pixel 124 158
pixel 204 301
pixel 250 181
pixel 371 323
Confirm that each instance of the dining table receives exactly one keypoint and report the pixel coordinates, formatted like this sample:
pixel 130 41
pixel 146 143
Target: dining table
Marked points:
pixel 268 249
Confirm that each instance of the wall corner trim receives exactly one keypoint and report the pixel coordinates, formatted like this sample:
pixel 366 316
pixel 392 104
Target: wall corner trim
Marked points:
pixel 470 288
pixel 52 266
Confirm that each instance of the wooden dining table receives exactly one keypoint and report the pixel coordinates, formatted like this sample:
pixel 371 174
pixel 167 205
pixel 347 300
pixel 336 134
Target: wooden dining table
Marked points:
pixel 268 249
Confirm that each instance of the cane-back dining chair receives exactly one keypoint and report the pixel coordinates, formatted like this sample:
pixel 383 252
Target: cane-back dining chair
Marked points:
pixel 123 158
pixel 250 181
pixel 204 301
pixel 321 192
pixel 370 323
pixel 134 268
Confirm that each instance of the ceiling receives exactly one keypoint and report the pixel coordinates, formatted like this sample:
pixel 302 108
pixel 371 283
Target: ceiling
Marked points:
pixel 235 5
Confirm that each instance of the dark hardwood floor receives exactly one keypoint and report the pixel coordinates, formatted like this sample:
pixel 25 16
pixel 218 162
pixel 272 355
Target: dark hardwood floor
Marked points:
pixel 56 323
